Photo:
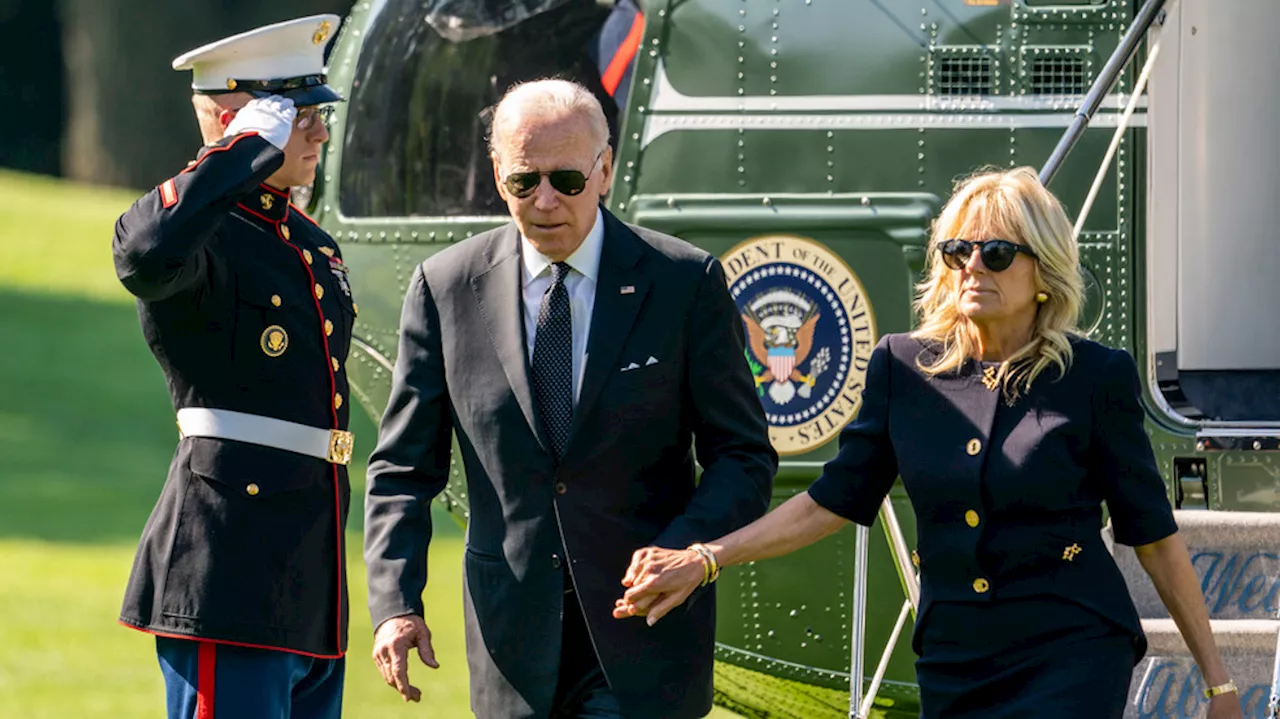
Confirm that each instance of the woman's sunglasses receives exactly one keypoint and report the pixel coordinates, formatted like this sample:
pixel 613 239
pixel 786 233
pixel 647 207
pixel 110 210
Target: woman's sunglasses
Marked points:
pixel 996 255
pixel 566 182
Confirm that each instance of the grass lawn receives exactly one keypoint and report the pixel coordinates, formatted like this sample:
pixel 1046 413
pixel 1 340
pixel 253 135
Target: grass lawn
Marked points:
pixel 86 433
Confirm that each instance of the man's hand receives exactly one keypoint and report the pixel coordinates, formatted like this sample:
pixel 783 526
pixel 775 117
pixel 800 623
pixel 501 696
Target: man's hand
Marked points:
pixel 391 652
pixel 271 117
pixel 659 580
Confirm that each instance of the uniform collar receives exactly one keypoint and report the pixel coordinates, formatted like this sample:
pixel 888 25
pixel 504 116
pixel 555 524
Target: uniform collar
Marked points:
pixel 585 259
pixel 267 203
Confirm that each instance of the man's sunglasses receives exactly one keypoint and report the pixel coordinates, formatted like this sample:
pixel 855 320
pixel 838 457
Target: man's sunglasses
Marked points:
pixel 996 255
pixel 307 116
pixel 566 182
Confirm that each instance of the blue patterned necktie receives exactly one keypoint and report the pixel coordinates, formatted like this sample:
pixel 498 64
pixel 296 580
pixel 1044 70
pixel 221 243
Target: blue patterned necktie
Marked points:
pixel 553 361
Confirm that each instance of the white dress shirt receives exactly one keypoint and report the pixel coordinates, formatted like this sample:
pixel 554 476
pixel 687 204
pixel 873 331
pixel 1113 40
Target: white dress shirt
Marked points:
pixel 580 284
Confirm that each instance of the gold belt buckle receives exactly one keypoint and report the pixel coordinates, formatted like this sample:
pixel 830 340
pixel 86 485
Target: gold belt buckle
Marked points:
pixel 341 443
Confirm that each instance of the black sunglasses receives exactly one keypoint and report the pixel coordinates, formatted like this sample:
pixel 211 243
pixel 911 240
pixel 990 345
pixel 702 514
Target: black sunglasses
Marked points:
pixel 566 182
pixel 996 255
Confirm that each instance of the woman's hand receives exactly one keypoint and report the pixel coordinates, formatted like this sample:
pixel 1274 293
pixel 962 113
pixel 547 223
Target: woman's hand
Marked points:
pixel 1225 706
pixel 659 580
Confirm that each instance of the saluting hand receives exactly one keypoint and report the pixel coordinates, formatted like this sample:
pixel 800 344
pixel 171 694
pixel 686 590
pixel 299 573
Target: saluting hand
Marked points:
pixel 659 580
pixel 271 117
pixel 391 652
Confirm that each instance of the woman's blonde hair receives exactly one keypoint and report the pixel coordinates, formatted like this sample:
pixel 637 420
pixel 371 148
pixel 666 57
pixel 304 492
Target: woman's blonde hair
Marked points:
pixel 1012 205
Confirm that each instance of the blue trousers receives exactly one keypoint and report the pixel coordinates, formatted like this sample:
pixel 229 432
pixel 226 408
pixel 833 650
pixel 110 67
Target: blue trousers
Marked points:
pixel 204 680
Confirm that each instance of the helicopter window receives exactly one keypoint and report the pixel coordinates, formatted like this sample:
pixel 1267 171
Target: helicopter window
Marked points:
pixel 417 123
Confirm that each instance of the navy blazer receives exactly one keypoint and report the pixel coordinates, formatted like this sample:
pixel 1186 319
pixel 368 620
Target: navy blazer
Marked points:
pixel 1007 498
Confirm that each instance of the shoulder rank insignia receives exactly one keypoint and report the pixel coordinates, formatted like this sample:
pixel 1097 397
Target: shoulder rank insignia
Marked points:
pixel 274 341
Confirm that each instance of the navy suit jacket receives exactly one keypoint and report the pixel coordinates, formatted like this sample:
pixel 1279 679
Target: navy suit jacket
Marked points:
pixel 1008 499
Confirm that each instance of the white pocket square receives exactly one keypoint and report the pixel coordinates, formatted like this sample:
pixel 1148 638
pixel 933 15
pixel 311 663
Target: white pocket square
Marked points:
pixel 630 367
pixel 652 361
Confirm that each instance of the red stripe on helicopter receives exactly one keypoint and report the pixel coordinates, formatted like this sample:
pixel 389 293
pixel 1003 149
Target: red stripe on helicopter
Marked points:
pixel 623 57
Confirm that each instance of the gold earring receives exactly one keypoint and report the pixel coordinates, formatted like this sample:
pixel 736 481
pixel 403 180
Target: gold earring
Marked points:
pixel 1042 297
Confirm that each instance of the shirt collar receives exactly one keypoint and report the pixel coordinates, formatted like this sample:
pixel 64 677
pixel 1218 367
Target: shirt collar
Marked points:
pixel 585 260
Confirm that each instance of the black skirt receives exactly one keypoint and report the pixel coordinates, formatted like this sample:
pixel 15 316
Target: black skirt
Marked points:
pixel 1035 658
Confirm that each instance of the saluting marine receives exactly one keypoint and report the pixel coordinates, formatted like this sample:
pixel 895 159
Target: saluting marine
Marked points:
pixel 245 304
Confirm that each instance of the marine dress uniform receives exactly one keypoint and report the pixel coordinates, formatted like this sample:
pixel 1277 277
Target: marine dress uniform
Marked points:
pixel 246 305
pixel 1023 612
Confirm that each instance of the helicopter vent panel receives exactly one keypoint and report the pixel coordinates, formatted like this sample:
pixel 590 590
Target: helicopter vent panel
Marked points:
pixel 973 75
pixel 1061 75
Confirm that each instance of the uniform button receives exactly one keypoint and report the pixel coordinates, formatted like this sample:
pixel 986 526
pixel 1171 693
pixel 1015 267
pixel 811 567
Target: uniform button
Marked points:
pixel 981 585
pixel 335 363
pixel 555 561
pixel 974 447
pixel 252 490
pixel 275 300
pixel 915 558
pixel 284 231
pixel 306 255
pixel 971 518
pixel 337 401
pixel 560 488
pixel 355 308
pixel 319 291
pixel 328 328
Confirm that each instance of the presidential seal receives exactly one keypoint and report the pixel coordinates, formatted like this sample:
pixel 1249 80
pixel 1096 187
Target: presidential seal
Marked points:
pixel 810 333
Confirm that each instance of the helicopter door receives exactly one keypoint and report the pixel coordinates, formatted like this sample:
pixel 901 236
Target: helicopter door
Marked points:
pixel 1214 233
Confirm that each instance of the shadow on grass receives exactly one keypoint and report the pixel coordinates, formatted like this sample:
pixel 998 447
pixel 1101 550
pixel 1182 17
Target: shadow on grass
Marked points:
pixel 86 428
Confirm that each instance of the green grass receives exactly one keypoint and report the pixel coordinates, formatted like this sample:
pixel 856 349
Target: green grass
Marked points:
pixel 86 434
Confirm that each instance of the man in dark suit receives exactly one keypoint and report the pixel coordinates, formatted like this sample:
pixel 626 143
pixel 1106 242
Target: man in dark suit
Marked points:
pixel 581 363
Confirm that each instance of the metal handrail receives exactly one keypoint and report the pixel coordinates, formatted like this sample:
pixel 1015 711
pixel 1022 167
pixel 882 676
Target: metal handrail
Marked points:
pixel 1101 86
pixel 860 707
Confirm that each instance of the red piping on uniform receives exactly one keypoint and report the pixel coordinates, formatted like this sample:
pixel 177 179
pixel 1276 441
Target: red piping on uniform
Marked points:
pixel 623 56
pixel 261 216
pixel 272 190
pixel 333 412
pixel 224 148
pixel 188 637
pixel 303 214
pixel 206 662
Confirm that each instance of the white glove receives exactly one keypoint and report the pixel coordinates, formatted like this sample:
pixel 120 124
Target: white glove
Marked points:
pixel 271 117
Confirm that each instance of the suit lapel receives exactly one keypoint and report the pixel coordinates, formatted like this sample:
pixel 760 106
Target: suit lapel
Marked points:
pixel 613 314
pixel 497 291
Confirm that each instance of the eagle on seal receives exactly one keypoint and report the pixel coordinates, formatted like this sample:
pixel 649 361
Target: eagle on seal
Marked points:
pixel 781 341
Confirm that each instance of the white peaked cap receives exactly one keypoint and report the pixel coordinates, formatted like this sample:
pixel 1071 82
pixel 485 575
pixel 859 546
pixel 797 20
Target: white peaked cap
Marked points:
pixel 286 58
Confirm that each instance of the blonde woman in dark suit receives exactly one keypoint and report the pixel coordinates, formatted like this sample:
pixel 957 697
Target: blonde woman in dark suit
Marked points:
pixel 1009 431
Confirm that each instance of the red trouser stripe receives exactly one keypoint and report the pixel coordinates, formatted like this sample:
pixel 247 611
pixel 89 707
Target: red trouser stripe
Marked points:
pixel 205 664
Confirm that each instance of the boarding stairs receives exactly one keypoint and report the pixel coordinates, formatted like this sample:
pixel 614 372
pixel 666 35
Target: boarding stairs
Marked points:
pixel 1236 556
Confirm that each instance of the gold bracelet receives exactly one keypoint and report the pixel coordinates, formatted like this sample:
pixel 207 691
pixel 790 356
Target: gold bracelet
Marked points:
pixel 709 564
pixel 706 566
pixel 1212 692
pixel 710 568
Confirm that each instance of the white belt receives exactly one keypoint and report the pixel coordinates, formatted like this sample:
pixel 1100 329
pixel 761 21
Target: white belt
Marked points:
pixel 331 445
